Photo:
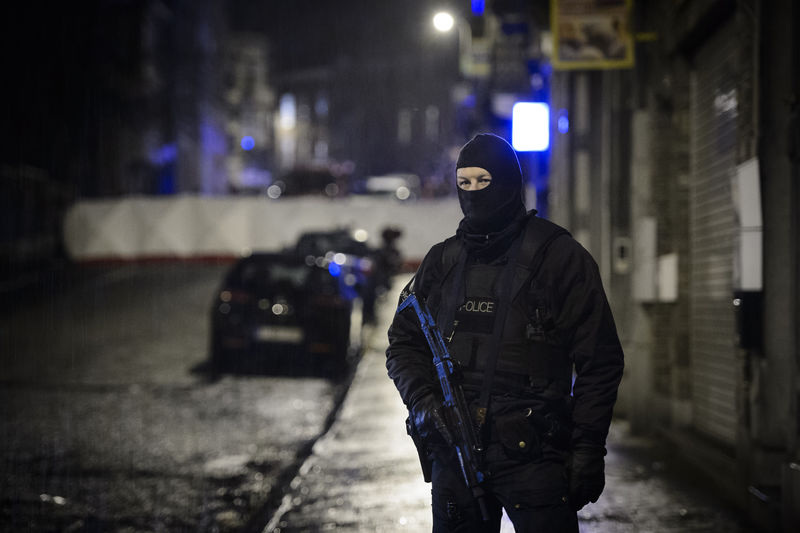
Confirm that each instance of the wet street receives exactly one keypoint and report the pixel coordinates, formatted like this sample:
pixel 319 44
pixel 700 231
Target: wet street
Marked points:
pixel 109 423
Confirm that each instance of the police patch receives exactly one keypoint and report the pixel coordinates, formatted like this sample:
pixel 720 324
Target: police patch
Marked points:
pixel 476 315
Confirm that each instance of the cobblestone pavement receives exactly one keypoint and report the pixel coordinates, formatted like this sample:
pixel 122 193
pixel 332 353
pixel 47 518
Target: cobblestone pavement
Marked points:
pixel 364 475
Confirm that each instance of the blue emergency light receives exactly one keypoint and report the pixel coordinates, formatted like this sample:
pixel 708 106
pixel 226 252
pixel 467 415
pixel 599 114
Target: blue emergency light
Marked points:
pixel 248 143
pixel 478 7
pixel 530 126
pixel 334 270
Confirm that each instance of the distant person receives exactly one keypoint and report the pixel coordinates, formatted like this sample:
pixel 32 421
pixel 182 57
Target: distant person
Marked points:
pixel 387 262
pixel 543 437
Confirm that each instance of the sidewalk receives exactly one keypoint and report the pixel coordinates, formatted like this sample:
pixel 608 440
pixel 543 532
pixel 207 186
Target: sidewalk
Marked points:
pixel 364 475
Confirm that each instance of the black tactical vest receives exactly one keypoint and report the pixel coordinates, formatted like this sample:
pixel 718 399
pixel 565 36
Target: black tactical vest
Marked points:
pixel 531 353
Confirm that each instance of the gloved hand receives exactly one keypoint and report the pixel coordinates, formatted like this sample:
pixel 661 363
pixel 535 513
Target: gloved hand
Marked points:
pixel 426 415
pixel 586 475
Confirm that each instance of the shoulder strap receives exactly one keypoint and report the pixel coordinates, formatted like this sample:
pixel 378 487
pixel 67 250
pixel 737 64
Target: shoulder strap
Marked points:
pixel 450 253
pixel 452 262
pixel 539 233
pixel 452 288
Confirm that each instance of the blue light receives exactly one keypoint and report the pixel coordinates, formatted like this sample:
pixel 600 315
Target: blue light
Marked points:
pixel 478 7
pixel 530 126
pixel 334 269
pixel 248 143
pixel 563 121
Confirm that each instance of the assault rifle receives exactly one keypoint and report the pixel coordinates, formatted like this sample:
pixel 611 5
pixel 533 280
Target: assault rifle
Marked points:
pixel 459 431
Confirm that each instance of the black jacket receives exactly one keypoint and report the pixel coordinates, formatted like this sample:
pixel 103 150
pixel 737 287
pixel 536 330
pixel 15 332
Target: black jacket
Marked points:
pixel 582 323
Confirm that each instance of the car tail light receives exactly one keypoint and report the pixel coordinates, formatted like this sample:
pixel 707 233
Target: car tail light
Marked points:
pixel 234 296
pixel 327 300
pixel 321 347
pixel 365 265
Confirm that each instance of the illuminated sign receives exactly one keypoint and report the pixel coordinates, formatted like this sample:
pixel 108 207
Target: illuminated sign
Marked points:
pixel 591 34
pixel 530 126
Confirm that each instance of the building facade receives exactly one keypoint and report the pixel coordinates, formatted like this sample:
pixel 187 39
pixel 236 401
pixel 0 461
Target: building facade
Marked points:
pixel 680 175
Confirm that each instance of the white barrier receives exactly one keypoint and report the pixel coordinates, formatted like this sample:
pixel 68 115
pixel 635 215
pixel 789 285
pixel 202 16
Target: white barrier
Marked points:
pixel 200 226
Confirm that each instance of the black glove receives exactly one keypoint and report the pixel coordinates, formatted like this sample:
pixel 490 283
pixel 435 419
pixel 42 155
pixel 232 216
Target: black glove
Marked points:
pixel 426 415
pixel 586 475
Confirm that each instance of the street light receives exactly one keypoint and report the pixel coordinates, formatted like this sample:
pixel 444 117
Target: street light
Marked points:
pixel 443 21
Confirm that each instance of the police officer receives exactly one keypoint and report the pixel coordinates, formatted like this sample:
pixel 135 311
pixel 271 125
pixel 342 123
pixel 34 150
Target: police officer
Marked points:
pixel 521 306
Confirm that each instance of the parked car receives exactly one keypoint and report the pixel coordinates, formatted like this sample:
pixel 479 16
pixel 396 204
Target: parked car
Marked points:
pixel 400 186
pixel 349 259
pixel 336 240
pixel 308 181
pixel 281 311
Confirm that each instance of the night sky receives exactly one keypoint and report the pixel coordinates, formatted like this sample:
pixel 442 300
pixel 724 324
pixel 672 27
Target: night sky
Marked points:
pixel 316 32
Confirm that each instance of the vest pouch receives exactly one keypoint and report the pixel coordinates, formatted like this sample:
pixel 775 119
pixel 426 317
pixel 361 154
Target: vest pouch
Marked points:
pixel 518 435
pixel 541 326
pixel 553 429
pixel 549 362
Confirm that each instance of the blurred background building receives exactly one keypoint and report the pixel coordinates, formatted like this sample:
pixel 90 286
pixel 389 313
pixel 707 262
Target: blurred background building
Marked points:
pixel 680 174
pixel 673 157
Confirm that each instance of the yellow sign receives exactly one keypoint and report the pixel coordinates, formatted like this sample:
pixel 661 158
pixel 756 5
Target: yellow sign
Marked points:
pixel 591 34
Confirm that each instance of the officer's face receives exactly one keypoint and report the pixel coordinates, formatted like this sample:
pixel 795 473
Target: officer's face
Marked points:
pixel 473 178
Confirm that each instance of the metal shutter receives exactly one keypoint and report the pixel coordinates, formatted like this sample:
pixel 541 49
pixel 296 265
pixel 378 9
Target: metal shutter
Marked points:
pixel 714 108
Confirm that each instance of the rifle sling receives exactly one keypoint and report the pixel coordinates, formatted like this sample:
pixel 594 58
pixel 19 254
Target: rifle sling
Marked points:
pixel 453 293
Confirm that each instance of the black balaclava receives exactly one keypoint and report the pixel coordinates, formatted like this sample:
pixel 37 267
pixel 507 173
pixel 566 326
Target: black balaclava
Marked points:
pixel 494 208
